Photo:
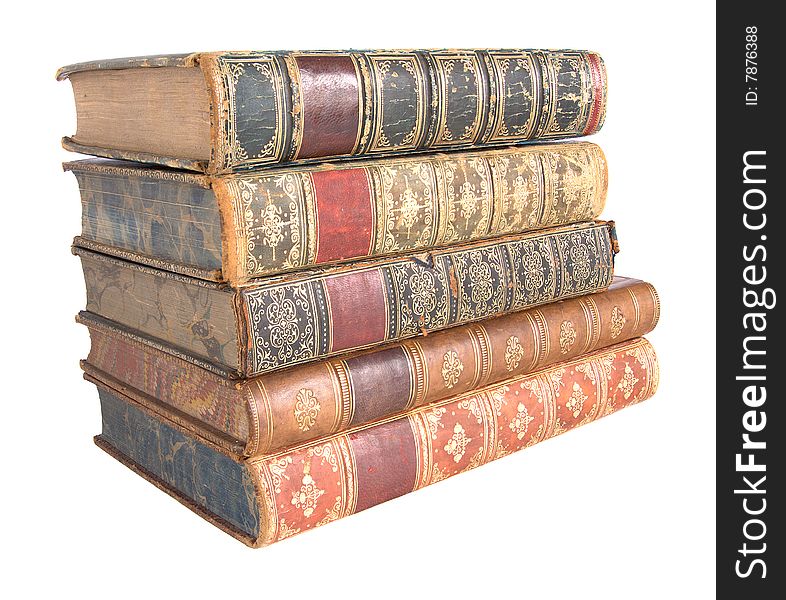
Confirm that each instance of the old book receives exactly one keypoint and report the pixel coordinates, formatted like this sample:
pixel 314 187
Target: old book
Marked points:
pixel 237 227
pixel 286 320
pixel 265 499
pixel 293 406
pixel 227 111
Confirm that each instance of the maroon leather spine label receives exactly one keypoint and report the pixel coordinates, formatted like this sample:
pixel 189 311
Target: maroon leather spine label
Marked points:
pixel 345 219
pixel 358 312
pixel 386 463
pixel 381 384
pixel 331 105
pixel 598 90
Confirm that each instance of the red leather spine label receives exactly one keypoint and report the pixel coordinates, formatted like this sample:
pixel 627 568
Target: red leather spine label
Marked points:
pixel 598 89
pixel 386 463
pixel 331 105
pixel 358 314
pixel 345 220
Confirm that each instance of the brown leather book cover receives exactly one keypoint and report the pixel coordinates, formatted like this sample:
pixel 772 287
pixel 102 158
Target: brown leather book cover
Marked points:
pixel 244 110
pixel 296 405
pixel 262 500
pixel 243 226
pixel 301 317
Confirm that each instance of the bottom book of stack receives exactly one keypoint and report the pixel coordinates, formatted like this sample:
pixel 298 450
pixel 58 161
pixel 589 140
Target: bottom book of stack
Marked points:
pixel 264 499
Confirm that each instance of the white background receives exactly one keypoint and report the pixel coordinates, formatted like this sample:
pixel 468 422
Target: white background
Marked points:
pixel 622 508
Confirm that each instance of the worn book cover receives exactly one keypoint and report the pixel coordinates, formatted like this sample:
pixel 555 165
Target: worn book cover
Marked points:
pixel 237 227
pixel 265 499
pixel 227 111
pixel 297 405
pixel 281 321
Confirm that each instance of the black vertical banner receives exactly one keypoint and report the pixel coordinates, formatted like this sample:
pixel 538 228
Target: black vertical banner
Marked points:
pixel 751 229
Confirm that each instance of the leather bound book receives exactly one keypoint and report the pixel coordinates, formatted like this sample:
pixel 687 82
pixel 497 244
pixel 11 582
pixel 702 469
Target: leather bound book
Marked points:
pixel 229 111
pixel 266 499
pixel 297 405
pixel 237 227
pixel 286 320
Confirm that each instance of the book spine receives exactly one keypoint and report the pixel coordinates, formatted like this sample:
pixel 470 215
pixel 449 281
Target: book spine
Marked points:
pixel 278 107
pixel 327 397
pixel 305 319
pixel 321 482
pixel 290 219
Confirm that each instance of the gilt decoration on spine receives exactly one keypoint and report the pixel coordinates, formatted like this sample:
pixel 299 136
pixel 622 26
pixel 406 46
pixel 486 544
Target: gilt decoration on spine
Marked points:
pixel 298 321
pixel 290 219
pixel 329 479
pixel 273 105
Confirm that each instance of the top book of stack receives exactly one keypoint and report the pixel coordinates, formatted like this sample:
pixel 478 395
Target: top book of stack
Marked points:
pixel 234 111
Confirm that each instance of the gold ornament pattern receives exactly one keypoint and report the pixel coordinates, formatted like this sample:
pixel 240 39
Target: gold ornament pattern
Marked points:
pixel 536 272
pixel 474 407
pixel 617 321
pixel 554 377
pixel 328 454
pixel 457 444
pixel 285 530
pixel 333 514
pixel 452 368
pixel 306 497
pixel 278 468
pixel 266 73
pixel 567 336
pixel 410 209
pixel 467 200
pixel 288 320
pixel 404 195
pixel 580 256
pixel 447 438
pixel 513 107
pixel 272 227
pixel 497 399
pixel 480 274
pixel 628 382
pixel 285 332
pixel 463 93
pixel 394 75
pixel 532 264
pixel 418 202
pixel 575 403
pixel 404 104
pixel 438 474
pixel 465 185
pixel 274 222
pixel 307 409
pixel 433 420
pixel 520 423
pixel 514 352
pixel 570 109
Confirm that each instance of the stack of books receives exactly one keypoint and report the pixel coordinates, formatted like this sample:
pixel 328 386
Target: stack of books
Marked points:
pixel 317 281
